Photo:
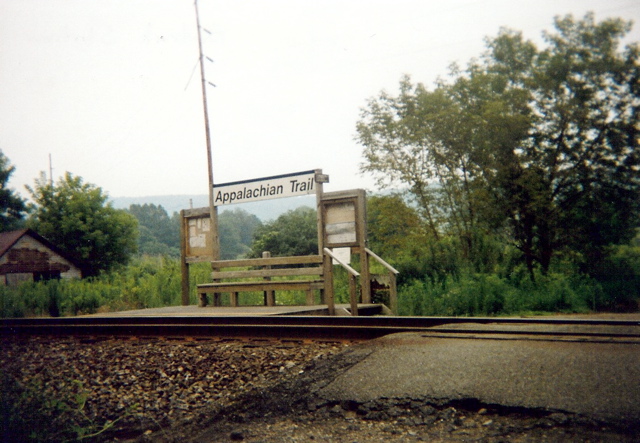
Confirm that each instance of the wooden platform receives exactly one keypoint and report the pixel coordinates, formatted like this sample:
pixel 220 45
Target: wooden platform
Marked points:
pixel 224 311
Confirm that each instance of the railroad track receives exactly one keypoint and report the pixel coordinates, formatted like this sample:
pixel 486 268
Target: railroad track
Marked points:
pixel 329 328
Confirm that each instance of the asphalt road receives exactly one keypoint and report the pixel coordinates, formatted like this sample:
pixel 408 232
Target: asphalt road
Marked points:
pixel 597 379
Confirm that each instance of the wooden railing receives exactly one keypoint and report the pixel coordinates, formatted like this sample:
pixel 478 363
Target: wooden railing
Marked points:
pixel 393 290
pixel 353 283
pixel 259 278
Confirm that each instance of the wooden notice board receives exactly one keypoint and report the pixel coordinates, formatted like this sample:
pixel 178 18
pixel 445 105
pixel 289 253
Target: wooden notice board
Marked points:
pixel 344 219
pixel 341 224
pixel 196 235
pixel 344 216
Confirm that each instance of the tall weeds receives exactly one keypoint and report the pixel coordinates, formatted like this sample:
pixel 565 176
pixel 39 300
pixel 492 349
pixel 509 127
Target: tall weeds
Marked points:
pixel 148 282
pixel 474 294
pixel 433 281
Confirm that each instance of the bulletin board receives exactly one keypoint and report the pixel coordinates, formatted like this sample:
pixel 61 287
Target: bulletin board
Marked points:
pixel 196 235
pixel 344 219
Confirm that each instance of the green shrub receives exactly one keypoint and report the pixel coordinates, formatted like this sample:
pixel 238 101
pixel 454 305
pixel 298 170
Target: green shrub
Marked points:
pixel 11 304
pixel 54 298
pixel 619 275
pixel 490 294
pixel 147 282
pixel 30 412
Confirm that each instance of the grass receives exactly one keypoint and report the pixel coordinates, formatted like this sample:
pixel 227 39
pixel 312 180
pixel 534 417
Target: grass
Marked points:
pixel 151 282
pixel 474 294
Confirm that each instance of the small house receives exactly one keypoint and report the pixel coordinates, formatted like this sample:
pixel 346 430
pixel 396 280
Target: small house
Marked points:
pixel 27 256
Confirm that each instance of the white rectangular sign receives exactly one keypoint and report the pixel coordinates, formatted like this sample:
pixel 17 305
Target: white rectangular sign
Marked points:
pixel 340 223
pixel 278 186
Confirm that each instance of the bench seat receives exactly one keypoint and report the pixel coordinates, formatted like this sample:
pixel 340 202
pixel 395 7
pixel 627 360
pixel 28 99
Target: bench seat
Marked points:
pixel 260 280
pixel 283 285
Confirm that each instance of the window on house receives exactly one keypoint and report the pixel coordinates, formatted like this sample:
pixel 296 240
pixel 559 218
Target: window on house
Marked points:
pixel 49 275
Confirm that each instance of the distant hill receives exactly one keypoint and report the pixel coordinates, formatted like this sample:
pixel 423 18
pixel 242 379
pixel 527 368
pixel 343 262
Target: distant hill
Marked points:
pixel 265 210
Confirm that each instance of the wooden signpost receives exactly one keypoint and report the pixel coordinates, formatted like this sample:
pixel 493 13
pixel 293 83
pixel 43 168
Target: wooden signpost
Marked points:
pixel 341 225
pixel 341 218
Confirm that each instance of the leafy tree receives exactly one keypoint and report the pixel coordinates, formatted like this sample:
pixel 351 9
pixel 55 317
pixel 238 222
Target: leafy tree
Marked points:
pixel 542 143
pixel 159 233
pixel 293 233
pixel 236 230
pixel 392 225
pixel 439 144
pixel 574 180
pixel 76 217
pixel 12 207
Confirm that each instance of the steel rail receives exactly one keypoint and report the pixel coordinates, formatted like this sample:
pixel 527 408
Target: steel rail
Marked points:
pixel 314 327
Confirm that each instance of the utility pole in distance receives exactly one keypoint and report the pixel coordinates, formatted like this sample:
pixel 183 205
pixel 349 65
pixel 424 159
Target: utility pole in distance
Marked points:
pixel 215 241
pixel 50 171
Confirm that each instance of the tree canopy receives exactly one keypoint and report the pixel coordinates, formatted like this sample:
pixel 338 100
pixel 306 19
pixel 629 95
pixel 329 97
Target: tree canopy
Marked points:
pixel 159 234
pixel 237 228
pixel 392 225
pixel 540 144
pixel 293 233
pixel 77 218
pixel 12 207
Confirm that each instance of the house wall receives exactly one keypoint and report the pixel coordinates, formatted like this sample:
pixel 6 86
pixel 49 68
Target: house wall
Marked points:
pixel 29 256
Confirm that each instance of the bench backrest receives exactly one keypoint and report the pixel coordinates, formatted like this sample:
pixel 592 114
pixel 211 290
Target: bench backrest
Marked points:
pixel 269 267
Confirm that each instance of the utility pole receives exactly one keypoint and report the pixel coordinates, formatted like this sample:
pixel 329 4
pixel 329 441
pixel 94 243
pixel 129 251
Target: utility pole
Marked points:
pixel 50 171
pixel 215 241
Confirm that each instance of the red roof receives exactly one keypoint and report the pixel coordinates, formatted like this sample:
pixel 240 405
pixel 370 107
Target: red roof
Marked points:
pixel 10 238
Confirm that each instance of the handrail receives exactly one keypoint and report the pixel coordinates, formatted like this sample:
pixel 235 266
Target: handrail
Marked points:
pixel 381 261
pixel 353 284
pixel 393 291
pixel 343 264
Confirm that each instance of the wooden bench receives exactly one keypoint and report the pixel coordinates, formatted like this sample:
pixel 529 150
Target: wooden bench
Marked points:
pixel 267 275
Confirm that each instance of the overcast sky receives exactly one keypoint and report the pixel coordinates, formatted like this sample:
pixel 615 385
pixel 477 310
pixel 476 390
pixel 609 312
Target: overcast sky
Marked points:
pixel 111 88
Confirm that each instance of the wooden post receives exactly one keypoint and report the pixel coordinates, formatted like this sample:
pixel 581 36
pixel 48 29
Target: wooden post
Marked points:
pixel 327 293
pixel 310 298
pixel 328 283
pixel 184 266
pixel 202 300
pixel 319 180
pixel 393 293
pixel 353 295
pixel 361 226
pixel 269 296
pixel 365 277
